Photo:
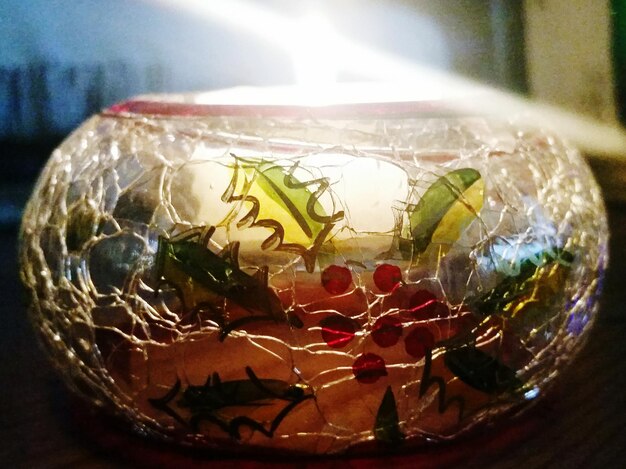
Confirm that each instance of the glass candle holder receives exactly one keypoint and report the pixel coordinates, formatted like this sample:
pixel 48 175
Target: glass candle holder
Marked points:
pixel 311 280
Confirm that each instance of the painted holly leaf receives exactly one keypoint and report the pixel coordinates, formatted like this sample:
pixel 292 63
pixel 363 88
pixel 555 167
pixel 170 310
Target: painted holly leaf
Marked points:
pixel 446 209
pixel 202 276
pixel 480 370
pixel 533 275
pixel 206 402
pixel 282 203
pixel 216 394
pixel 387 428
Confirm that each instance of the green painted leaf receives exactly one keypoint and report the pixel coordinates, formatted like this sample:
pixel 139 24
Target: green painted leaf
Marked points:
pixel 436 202
pixel 217 394
pixel 480 370
pixel 281 202
pixel 293 196
pixel 515 287
pixel 206 402
pixel 387 428
pixel 189 265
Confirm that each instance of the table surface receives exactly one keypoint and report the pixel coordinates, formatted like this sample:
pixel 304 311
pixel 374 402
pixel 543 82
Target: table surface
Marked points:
pixel 582 425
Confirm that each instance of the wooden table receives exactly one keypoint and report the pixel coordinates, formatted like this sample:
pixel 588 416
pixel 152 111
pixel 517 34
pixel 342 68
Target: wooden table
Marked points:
pixel 581 425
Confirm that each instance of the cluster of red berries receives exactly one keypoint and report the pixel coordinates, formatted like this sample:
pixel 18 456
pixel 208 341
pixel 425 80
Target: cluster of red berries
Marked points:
pixel 338 330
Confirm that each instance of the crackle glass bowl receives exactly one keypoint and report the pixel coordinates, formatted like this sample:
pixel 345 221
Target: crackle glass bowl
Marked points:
pixel 311 279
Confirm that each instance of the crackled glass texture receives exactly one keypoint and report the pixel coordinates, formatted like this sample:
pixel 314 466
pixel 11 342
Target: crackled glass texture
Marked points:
pixel 311 284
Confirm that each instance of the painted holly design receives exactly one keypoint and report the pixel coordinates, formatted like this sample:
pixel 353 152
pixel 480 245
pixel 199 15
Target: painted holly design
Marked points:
pixel 338 330
pixel 412 326
pixel 277 200
pixel 410 320
pixel 209 402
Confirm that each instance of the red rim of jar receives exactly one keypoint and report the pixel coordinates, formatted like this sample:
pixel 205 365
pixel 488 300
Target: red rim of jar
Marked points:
pixel 408 109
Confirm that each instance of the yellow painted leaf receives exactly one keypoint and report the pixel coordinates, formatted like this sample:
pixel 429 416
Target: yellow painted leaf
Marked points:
pixel 290 208
pixel 460 215
pixel 459 192
pixel 284 205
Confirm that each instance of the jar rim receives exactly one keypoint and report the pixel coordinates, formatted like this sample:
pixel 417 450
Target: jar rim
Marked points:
pixel 351 111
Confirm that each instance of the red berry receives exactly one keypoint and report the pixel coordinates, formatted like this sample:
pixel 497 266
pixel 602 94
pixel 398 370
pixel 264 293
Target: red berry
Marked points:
pixel 337 330
pixel 387 331
pixel 424 305
pixel 418 341
pixel 336 279
pixel 387 276
pixel 369 368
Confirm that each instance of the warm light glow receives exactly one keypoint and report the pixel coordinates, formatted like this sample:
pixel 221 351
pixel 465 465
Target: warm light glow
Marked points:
pixel 241 14
pixel 313 40
pixel 320 53
pixel 313 52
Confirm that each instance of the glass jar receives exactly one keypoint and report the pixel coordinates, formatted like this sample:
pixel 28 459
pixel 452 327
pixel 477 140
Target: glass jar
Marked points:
pixel 311 279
